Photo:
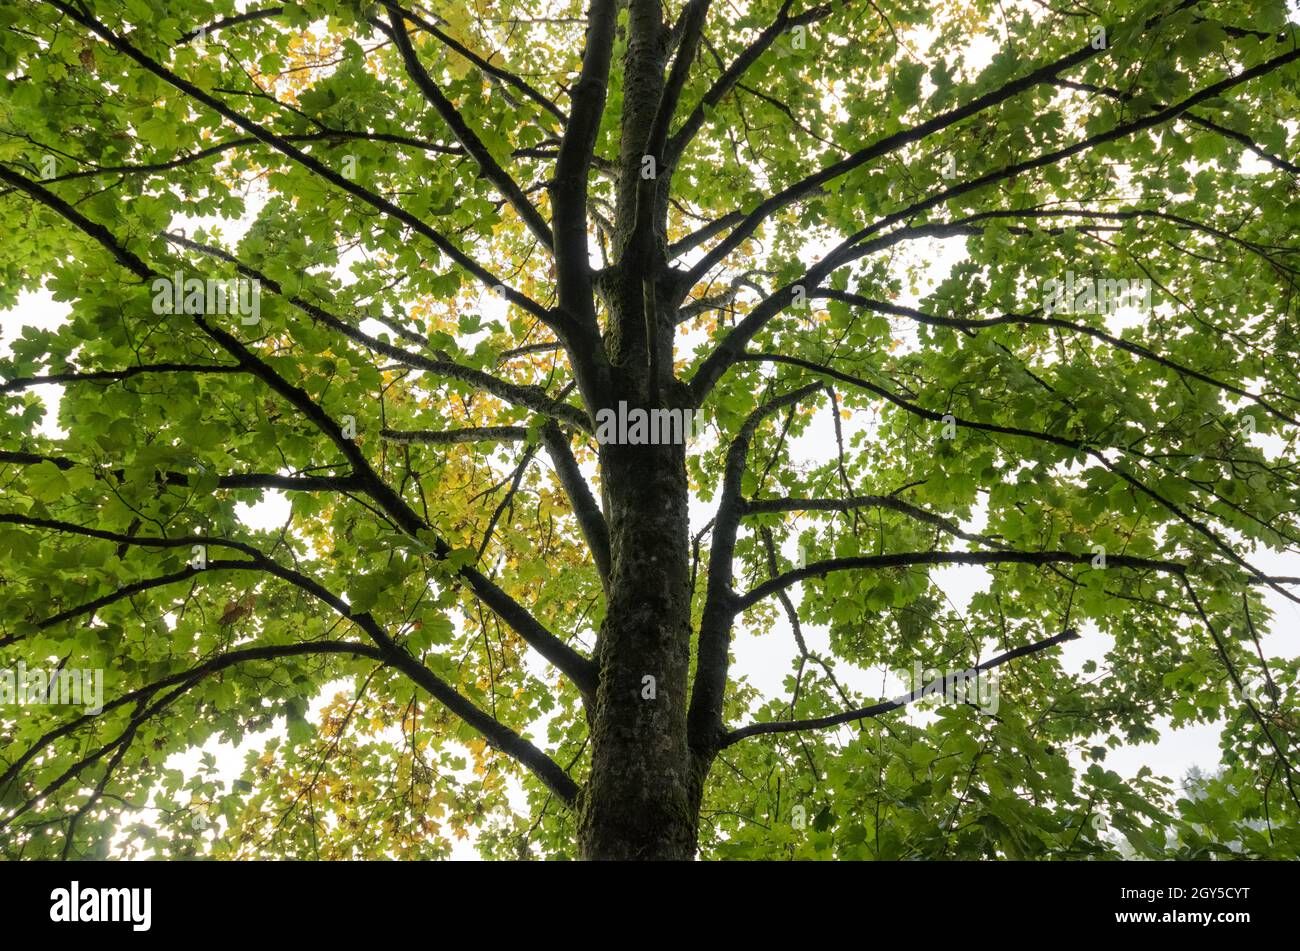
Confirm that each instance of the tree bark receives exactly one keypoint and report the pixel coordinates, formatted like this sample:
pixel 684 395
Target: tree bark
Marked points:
pixel 642 799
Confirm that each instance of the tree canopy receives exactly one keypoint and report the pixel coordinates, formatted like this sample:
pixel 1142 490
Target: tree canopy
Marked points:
pixel 1006 285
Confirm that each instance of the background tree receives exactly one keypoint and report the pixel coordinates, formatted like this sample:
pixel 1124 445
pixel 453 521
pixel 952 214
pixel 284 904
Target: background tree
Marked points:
pixel 475 226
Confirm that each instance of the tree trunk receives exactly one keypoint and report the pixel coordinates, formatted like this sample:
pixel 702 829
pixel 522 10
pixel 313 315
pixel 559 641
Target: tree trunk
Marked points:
pixel 642 799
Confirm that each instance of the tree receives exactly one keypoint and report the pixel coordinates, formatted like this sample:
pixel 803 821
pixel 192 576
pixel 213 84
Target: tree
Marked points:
pixel 427 270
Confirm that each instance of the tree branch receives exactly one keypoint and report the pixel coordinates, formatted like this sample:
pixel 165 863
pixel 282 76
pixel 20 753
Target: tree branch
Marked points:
pixel 880 147
pixel 740 65
pixel 704 718
pixel 579 669
pixel 488 165
pixel 14 384
pixel 443 244
pixel 495 71
pixel 760 506
pixel 527 396
pixel 134 588
pixel 224 22
pixel 184 681
pixel 569 185
pixel 447 437
pixel 591 520
pixel 850 248
pixel 238 480
pixel 1065 442
pixel 1239 137
pixel 1034 320
pixel 391 652
pixel 817 723
pixel 820 569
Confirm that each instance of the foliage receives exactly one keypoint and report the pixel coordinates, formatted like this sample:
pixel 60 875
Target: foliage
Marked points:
pixel 1169 445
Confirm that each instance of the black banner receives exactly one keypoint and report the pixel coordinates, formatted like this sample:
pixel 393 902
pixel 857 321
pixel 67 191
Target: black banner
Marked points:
pixel 943 901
